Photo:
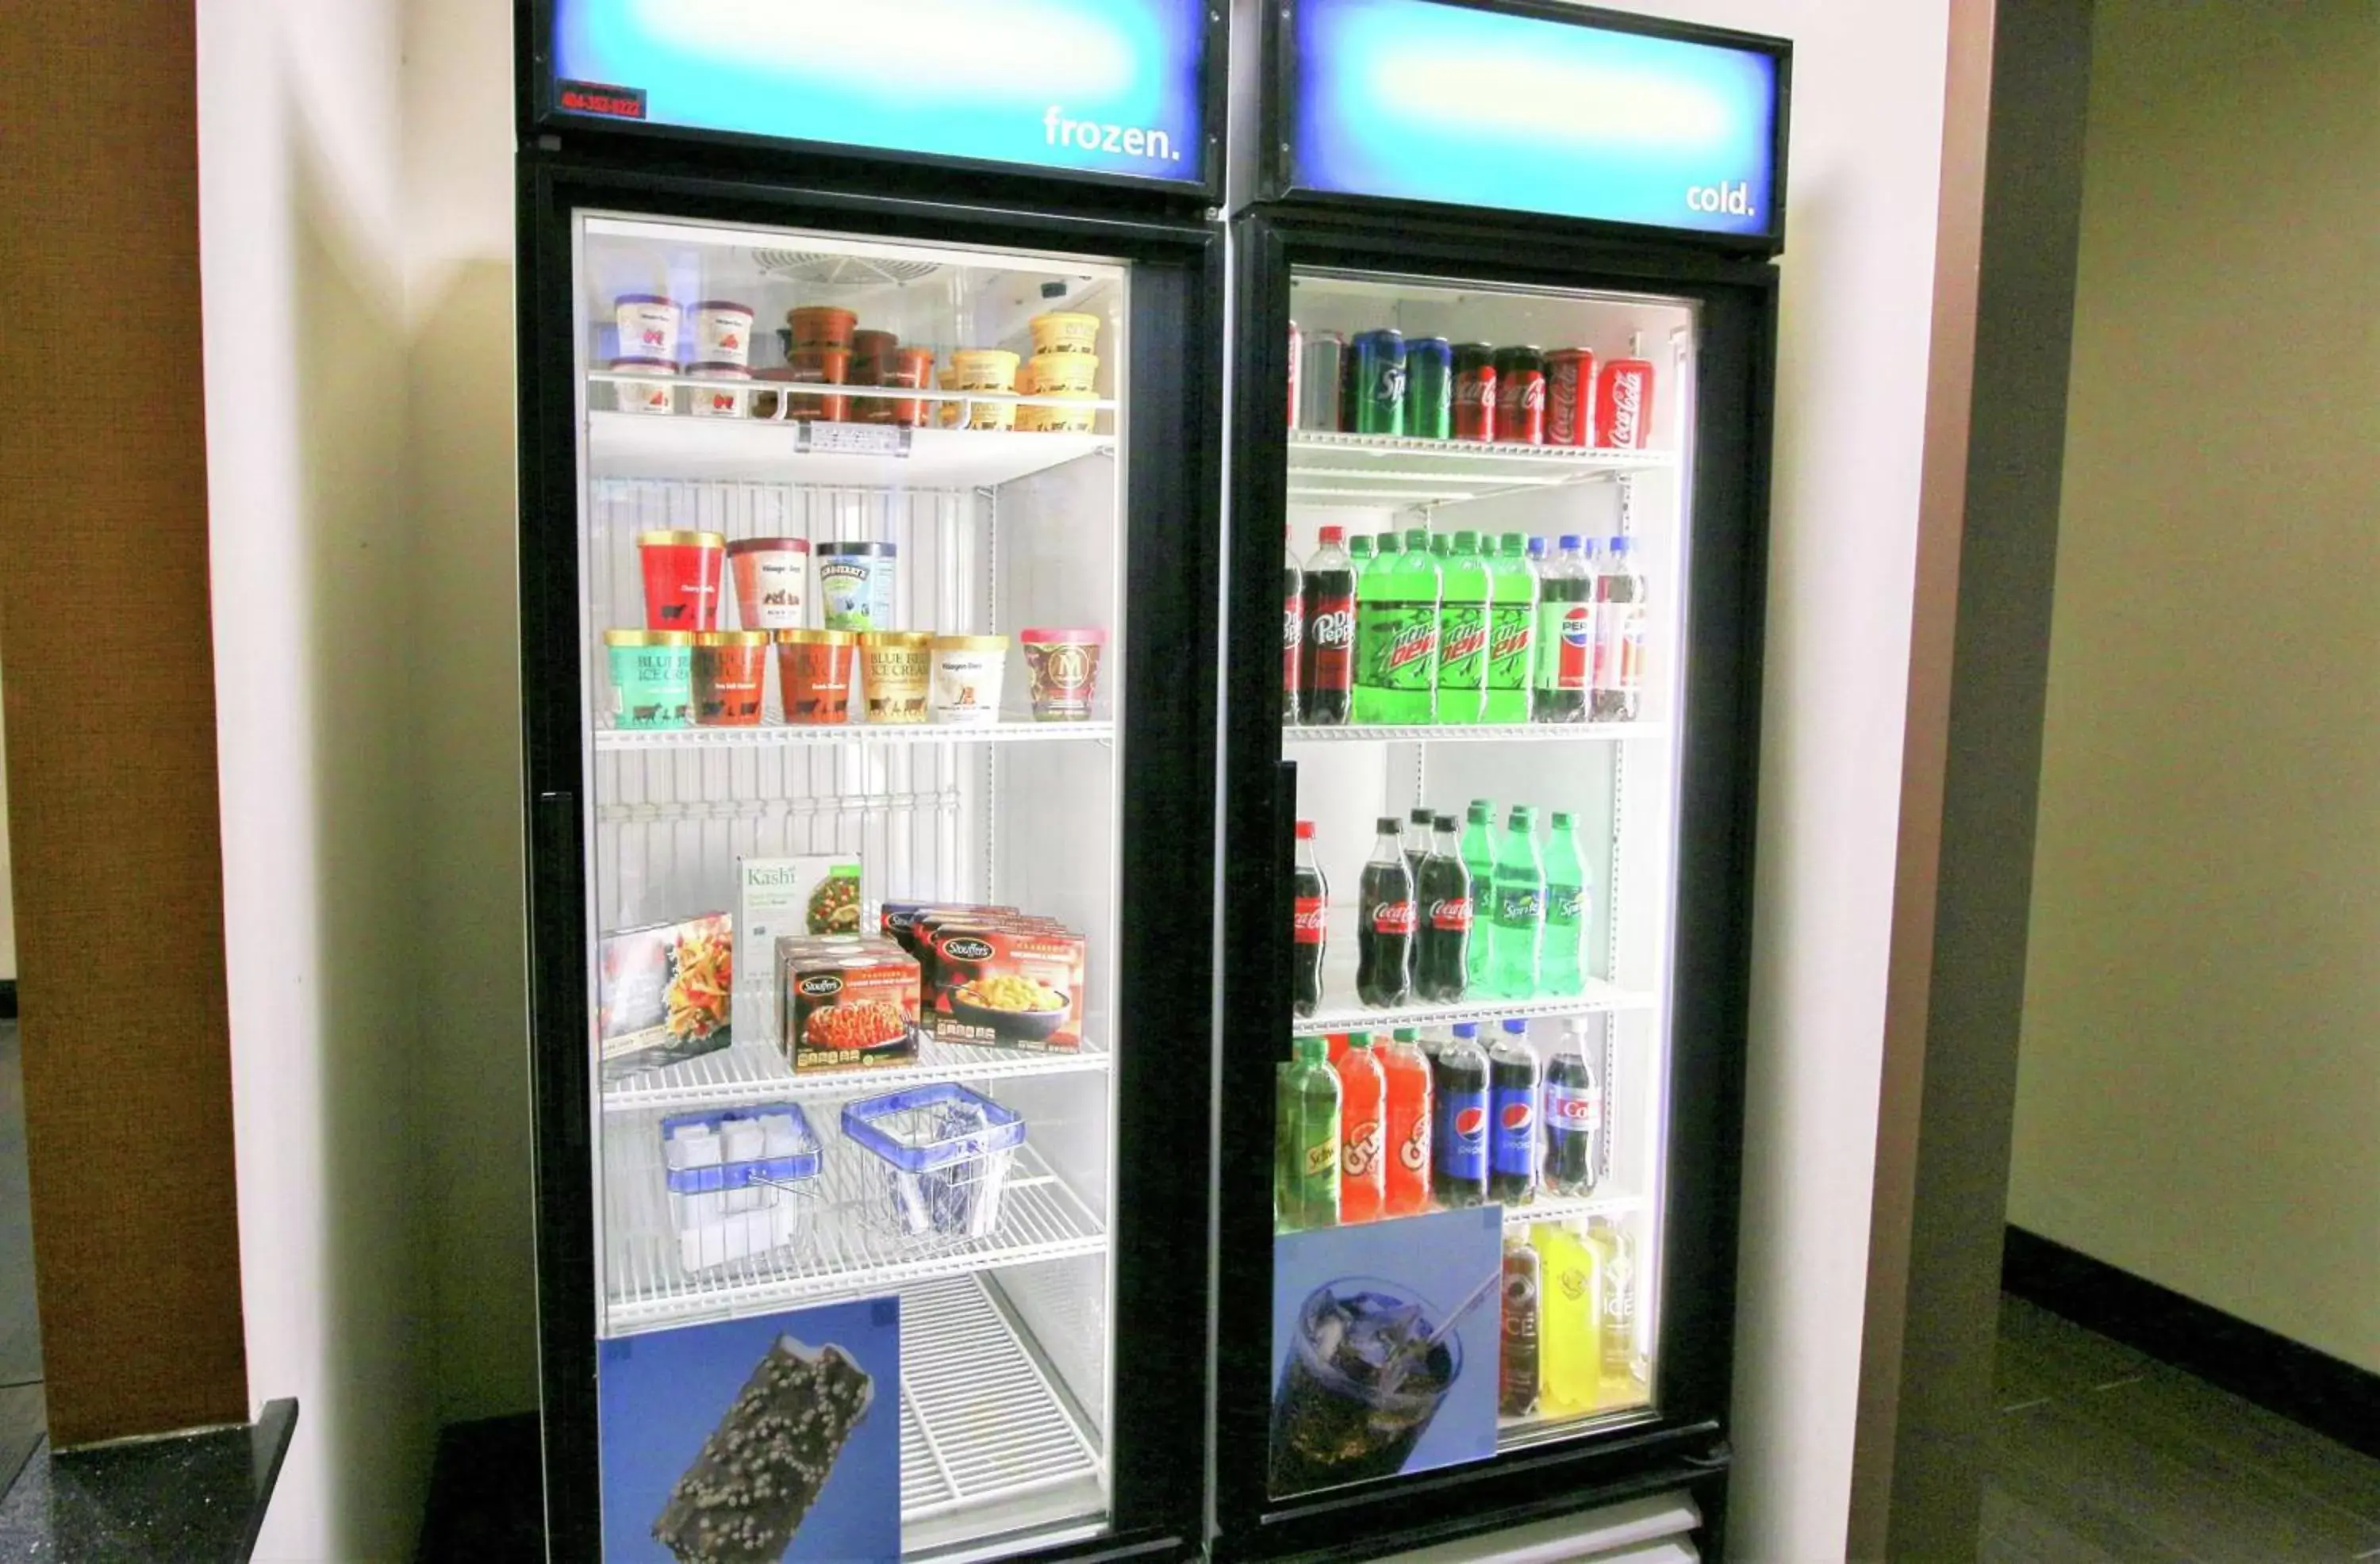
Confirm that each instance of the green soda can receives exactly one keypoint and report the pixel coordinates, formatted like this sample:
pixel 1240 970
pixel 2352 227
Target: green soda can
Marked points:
pixel 1429 388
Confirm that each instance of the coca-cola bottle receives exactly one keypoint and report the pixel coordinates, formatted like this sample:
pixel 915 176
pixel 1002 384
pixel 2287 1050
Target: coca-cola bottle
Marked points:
pixel 1384 928
pixel 1292 633
pixel 1312 897
pixel 1442 954
pixel 1327 670
pixel 1416 842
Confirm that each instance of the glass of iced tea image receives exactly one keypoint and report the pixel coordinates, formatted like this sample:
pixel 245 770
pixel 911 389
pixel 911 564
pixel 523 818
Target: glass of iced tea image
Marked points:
pixel 1360 1385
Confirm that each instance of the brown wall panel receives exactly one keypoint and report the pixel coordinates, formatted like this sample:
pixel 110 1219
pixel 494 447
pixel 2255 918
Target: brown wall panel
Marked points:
pixel 104 631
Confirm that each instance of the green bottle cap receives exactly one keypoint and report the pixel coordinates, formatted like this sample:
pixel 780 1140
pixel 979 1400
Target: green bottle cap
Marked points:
pixel 1405 1034
pixel 1443 546
pixel 1562 819
pixel 1385 543
pixel 1313 1051
pixel 1416 539
pixel 1523 815
pixel 1359 548
pixel 1466 541
pixel 1482 811
pixel 1515 543
pixel 1359 1040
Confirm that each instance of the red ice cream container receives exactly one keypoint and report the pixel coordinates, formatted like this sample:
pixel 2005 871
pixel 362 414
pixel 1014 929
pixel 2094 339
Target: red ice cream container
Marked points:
pixel 683 572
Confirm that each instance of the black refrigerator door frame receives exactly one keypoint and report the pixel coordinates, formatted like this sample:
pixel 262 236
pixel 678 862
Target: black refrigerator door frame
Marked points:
pixel 1167 744
pixel 1683 1444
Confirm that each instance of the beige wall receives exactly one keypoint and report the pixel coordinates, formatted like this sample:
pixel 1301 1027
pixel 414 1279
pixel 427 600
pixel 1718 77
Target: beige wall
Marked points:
pixel 2201 1075
pixel 8 913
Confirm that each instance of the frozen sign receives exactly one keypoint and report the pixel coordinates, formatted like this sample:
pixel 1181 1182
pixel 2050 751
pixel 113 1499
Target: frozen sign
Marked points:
pixel 1532 113
pixel 1098 87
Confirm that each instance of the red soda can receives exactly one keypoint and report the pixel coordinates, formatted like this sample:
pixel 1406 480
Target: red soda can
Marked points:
pixel 1520 397
pixel 1474 392
pixel 1570 397
pixel 1623 405
pixel 1297 363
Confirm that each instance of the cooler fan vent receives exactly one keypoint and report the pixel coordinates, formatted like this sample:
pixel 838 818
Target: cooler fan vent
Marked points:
pixel 844 270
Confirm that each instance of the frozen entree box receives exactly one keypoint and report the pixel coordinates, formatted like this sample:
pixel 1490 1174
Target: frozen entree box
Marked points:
pixel 816 895
pixel 849 1002
pixel 663 993
pixel 1013 982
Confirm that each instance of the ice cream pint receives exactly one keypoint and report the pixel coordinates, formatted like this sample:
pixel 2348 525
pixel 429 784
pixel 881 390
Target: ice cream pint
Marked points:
pixel 894 665
pixel 1063 331
pixel 855 585
pixel 814 675
pixel 723 332
pixel 655 395
pixel 647 325
pixel 771 577
pixel 967 674
pixel 681 571
pixel 822 325
pixel 1063 673
pixel 653 677
pixel 730 668
pixel 714 400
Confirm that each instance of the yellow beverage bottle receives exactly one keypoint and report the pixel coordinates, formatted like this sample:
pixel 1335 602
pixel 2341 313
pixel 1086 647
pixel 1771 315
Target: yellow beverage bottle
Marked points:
pixel 1615 1254
pixel 1570 1315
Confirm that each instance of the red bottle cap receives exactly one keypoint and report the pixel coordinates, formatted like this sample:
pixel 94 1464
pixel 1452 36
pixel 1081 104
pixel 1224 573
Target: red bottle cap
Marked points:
pixel 1305 830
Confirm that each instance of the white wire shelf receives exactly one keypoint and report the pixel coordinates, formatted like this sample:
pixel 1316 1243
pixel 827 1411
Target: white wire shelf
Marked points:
pixel 1373 471
pixel 762 450
pixel 646 1287
pixel 757 1073
pixel 1337 1015
pixel 1545 1207
pixel 980 1421
pixel 792 736
pixel 1474 733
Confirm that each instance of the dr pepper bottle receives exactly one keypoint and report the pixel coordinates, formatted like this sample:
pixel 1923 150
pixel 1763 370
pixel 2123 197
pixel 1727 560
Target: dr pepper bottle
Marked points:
pixel 1570 397
pixel 1520 397
pixel 1474 392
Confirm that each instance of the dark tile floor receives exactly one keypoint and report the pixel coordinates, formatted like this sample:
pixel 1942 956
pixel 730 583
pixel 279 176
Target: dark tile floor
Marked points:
pixel 2101 1454
pixel 20 1332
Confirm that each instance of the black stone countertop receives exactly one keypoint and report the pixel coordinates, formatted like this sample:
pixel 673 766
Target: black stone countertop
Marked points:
pixel 194 1499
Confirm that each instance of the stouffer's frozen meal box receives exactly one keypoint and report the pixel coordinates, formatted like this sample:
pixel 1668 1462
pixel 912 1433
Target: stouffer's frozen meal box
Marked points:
pixel 848 1002
pixel 1011 981
pixel 663 993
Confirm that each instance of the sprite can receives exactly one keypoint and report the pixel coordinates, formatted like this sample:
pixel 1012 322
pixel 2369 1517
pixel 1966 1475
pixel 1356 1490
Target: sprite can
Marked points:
pixel 1429 388
pixel 1375 384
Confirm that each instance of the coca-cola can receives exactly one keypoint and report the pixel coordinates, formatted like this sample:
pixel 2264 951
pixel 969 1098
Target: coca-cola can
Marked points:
pixel 1623 405
pixel 1570 397
pixel 1474 392
pixel 1319 393
pixel 1296 366
pixel 1520 397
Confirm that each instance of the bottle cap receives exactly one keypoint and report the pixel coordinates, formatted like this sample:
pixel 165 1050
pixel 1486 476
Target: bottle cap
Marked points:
pixel 1416 539
pixel 1359 1039
pixel 1515 542
pixel 1516 1026
pixel 1421 817
pixel 1523 815
pixel 1405 1034
pixel 1387 825
pixel 1333 535
pixel 1620 545
pixel 1569 541
pixel 1482 810
pixel 1443 822
pixel 1385 543
pixel 1305 830
pixel 1313 1051
pixel 1536 548
pixel 1562 819
pixel 1466 541
pixel 1441 544
pixel 1466 1029
pixel 1361 547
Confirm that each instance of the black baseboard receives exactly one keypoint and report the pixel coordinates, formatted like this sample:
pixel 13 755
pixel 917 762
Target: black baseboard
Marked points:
pixel 7 998
pixel 487 1498
pixel 2326 1395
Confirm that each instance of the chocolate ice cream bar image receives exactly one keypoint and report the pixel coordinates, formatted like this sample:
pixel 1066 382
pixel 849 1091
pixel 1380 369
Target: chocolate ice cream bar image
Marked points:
pixel 761 1468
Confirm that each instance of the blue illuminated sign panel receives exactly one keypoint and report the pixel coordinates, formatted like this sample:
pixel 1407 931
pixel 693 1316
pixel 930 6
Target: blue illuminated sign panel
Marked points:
pixel 1103 87
pixel 1427 100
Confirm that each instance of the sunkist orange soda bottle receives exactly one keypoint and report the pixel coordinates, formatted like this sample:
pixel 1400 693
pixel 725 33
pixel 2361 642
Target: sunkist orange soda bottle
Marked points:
pixel 1405 1123
pixel 1362 1093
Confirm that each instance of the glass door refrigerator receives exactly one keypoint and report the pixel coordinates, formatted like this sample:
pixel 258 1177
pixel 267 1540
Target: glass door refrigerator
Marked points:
pixel 1500 428
pixel 867 528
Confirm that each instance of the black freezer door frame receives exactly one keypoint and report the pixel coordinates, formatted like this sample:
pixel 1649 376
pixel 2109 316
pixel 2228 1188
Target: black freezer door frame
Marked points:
pixel 629 139
pixel 1263 162
pixel 1167 745
pixel 1683 1444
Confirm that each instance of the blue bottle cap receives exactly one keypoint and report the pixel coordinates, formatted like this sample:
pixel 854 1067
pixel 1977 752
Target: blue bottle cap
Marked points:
pixel 1516 1026
pixel 1620 545
pixel 1466 1029
pixel 1536 548
pixel 1571 540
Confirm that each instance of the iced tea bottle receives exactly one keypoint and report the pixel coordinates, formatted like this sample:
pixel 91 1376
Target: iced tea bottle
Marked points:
pixel 1305 1139
pixel 1362 1093
pixel 1404 1122
pixel 1570 1314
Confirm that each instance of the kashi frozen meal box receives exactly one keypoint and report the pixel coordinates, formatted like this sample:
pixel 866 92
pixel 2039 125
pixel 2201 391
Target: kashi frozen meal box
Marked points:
pixel 663 993
pixel 849 1003
pixel 1016 983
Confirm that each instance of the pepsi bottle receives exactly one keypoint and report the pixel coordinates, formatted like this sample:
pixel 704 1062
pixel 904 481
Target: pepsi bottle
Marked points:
pixel 1384 928
pixel 1512 1091
pixel 1459 1119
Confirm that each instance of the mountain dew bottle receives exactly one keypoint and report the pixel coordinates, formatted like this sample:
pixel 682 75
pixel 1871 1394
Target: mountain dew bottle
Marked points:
pixel 1511 631
pixel 1396 636
pixel 1462 629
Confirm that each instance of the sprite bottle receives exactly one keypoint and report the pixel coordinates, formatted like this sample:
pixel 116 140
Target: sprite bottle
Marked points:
pixel 1396 636
pixel 1520 928
pixel 1461 628
pixel 1511 632
pixel 1480 857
